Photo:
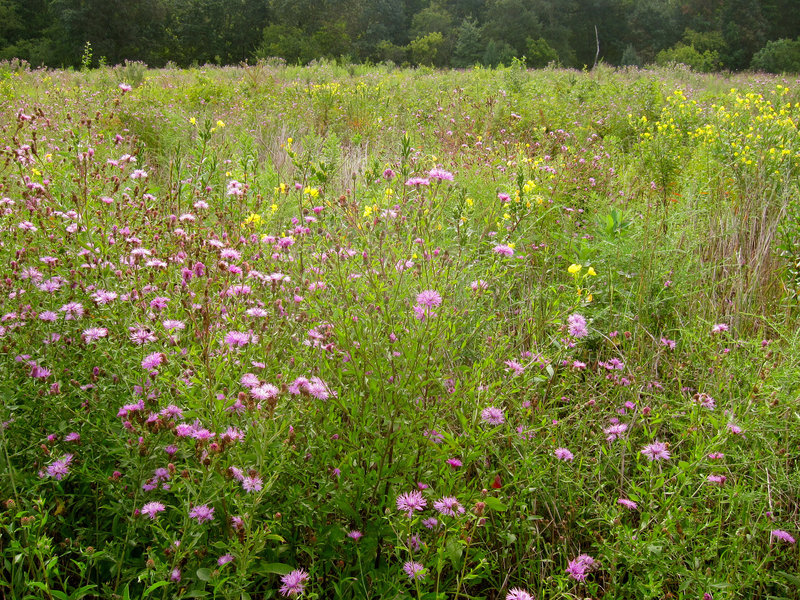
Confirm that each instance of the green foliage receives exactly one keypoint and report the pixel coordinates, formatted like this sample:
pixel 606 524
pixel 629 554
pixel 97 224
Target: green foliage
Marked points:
pixel 539 53
pixel 469 44
pixel 778 56
pixel 427 50
pixel 702 62
pixel 321 279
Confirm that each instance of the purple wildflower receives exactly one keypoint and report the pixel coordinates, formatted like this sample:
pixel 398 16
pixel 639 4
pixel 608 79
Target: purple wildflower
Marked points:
pixel 518 594
pixel 656 451
pixel 576 326
pixel 579 567
pixel 448 506
pixel 564 454
pixel 414 570
pixel 429 298
pixel 151 509
pixel 411 501
pixel 440 174
pixel 293 583
pixel 493 415
pixel 782 535
pixel 202 513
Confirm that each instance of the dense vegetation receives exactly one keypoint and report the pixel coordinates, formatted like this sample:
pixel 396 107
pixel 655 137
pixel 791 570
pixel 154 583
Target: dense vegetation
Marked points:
pixel 371 332
pixel 705 34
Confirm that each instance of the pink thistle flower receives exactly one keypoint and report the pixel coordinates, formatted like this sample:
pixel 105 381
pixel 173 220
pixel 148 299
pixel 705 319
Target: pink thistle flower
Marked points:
pixel 719 328
pixel 60 468
pixel 93 334
pixel 656 451
pixel 448 506
pixel 579 567
pixel 479 285
pixel 735 429
pixel 355 534
pixel 518 594
pixel 564 454
pixel 515 367
pixel 782 535
pixel 293 583
pixel 224 559
pixel 629 504
pixel 576 325
pixel 440 174
pixel 151 361
pixel 252 483
pixel 417 181
pixel 151 509
pixel 717 479
pixel 615 431
pixel 503 250
pixel 202 513
pixel 175 575
pixel 454 463
pixel 414 570
pixel 411 501
pixel 493 415
pixel 705 401
pixel 429 299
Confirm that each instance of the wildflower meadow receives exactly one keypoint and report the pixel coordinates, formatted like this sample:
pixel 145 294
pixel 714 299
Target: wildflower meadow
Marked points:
pixel 345 331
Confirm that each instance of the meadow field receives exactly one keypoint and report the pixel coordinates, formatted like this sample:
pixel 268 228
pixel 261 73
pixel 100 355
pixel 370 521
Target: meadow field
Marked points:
pixel 371 332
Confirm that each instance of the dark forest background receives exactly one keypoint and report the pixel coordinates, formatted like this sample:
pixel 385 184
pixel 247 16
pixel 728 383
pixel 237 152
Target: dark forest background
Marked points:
pixel 708 35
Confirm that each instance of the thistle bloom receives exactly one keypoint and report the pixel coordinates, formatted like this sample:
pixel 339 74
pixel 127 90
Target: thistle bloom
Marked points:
pixel 564 454
pixel 411 501
pixel 656 451
pixel 518 594
pixel 151 509
pixel 576 325
pixel 493 415
pixel 448 506
pixel 151 361
pixel 224 559
pixel 417 181
pixel 202 513
pixel 579 567
pixel 429 298
pixel 629 504
pixel 293 583
pixel 440 174
pixel 414 570
pixel 503 250
pixel 782 535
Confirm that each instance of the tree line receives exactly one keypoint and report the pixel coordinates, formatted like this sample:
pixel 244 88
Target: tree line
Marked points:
pixel 706 34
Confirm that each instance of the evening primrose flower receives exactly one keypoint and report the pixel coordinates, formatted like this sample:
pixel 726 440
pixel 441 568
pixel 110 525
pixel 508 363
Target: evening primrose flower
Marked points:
pixel 574 269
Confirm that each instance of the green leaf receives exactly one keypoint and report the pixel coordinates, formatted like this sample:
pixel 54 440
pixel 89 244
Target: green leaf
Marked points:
pixel 204 574
pixel 277 568
pixel 81 592
pixel 494 504
pixel 154 587
pixel 196 594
